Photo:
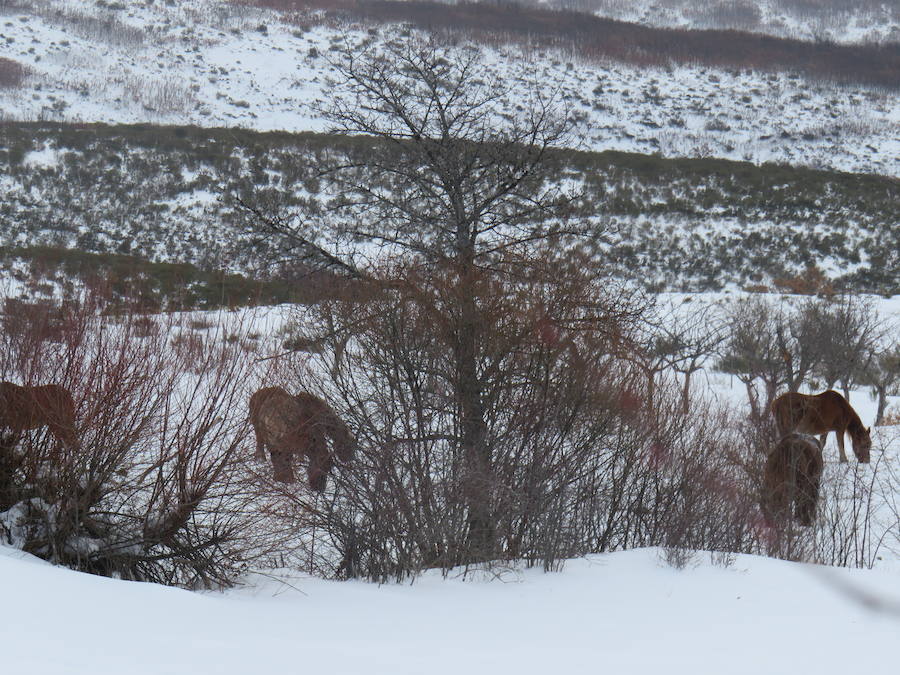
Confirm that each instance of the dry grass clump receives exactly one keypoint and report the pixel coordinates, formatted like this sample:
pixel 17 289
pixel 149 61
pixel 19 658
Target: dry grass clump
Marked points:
pixel 12 73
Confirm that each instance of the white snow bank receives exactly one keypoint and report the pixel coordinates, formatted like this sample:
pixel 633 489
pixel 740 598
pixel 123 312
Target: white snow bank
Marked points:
pixel 620 613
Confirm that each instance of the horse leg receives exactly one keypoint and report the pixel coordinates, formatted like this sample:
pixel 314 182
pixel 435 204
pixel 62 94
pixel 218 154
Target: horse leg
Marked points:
pixel 775 505
pixel 260 454
pixel 320 462
pixel 281 465
pixel 840 440
pixel 318 470
pixel 65 435
pixel 808 491
pixel 775 492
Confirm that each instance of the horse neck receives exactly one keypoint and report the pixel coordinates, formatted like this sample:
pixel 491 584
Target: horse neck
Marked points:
pixel 854 426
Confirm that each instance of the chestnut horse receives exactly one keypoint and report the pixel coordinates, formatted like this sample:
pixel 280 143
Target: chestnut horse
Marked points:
pixel 820 413
pixel 32 407
pixel 287 424
pixel 791 475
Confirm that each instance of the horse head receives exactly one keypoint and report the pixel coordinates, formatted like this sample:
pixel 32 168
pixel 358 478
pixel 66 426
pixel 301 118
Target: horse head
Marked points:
pixel 862 444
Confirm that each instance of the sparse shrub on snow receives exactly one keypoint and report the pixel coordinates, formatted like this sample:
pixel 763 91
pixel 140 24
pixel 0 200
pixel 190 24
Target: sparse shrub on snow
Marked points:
pixel 12 73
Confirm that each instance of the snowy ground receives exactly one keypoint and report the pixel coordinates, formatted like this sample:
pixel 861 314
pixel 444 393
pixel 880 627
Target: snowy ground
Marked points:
pixel 623 613
pixel 212 64
pixel 626 612
pixel 848 22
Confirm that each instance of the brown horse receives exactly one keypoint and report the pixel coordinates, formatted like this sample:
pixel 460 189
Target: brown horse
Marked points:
pixel 820 413
pixel 32 407
pixel 791 475
pixel 287 424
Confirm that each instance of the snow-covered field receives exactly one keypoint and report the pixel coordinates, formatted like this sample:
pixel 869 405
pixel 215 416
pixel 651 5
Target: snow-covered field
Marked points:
pixel 624 613
pixel 210 64
pixel 213 64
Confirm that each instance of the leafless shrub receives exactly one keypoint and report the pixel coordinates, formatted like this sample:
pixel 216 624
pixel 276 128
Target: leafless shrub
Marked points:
pixel 730 14
pixel 104 27
pixel 160 96
pixel 155 487
pixel 581 459
pixel 12 73
pixel 855 520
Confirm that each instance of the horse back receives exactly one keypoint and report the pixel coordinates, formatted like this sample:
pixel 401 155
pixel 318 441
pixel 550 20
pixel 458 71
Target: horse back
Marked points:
pixel 273 412
pixel 318 415
pixel 30 407
pixel 810 414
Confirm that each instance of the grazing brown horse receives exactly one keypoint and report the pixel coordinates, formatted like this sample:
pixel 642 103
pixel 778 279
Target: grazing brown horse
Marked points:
pixel 287 424
pixel 32 407
pixel 820 413
pixel 791 476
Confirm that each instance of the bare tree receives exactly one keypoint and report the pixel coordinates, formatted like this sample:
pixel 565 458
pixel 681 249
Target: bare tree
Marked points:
pixel 777 345
pixel 752 352
pixel 882 374
pixel 681 341
pixel 849 330
pixel 451 173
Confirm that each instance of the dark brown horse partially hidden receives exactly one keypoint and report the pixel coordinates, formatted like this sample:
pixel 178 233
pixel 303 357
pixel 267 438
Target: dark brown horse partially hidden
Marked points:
pixel 287 424
pixel 820 413
pixel 791 476
pixel 32 407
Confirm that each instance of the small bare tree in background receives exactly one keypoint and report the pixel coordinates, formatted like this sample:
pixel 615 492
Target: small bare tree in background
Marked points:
pixel 756 352
pixel 848 335
pixel 676 340
pixel 882 375
pixel 785 347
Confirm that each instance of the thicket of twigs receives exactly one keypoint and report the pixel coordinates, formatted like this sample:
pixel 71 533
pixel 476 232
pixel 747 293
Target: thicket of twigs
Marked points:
pixel 592 449
pixel 156 487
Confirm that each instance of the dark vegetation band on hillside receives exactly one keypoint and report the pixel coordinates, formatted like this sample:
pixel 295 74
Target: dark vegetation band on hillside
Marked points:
pixel 139 283
pixel 160 193
pixel 600 38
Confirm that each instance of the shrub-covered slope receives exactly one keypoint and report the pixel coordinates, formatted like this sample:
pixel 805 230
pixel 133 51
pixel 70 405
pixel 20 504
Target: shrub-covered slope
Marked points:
pixel 166 194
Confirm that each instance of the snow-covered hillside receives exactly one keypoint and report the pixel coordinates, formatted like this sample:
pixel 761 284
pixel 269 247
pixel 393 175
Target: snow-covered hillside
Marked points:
pixel 837 20
pixel 217 64
pixel 625 612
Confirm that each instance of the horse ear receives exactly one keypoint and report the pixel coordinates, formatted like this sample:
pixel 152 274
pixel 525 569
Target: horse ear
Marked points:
pixel 868 430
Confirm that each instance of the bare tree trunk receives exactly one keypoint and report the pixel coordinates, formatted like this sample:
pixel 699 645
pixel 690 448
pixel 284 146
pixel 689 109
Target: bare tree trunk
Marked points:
pixel 686 389
pixel 752 398
pixel 473 429
pixel 881 391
